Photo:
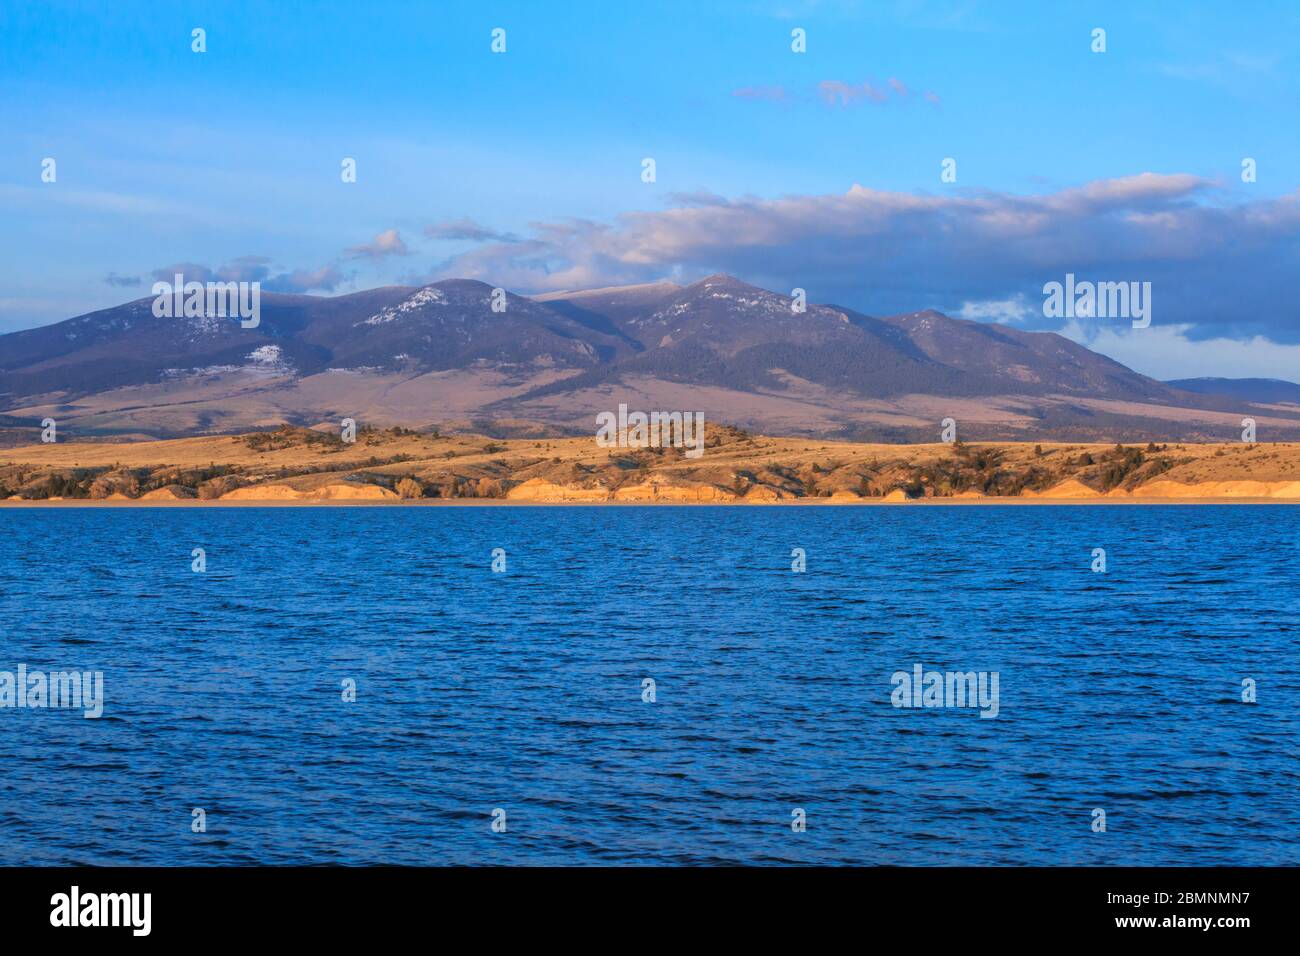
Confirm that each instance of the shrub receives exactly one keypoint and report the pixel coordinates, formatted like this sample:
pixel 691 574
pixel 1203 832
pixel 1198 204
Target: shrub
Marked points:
pixel 410 488
pixel 217 487
pixel 101 487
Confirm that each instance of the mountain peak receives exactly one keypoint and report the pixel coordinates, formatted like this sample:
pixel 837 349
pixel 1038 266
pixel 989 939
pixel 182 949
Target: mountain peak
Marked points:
pixel 720 280
pixel 923 314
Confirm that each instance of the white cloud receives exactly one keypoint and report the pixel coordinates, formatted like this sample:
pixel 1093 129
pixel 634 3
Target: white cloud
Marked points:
pixel 387 243
pixel 1010 311
pixel 1164 352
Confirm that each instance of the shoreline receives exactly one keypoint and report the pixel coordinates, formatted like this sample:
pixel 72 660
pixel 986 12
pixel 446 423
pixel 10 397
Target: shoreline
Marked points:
pixel 507 503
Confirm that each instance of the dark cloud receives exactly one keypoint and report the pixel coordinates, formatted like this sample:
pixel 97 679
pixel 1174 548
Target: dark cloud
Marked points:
pixel 243 269
pixel 1219 267
pixel 192 272
pixel 324 279
pixel 254 269
pixel 122 282
pixel 466 230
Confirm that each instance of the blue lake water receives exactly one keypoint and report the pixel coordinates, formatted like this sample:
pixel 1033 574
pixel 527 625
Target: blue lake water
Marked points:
pixel 522 690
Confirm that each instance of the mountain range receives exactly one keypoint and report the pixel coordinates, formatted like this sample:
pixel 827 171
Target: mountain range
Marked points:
pixel 1267 391
pixel 439 355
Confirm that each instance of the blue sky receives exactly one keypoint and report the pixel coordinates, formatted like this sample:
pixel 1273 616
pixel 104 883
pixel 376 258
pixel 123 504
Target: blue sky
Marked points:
pixel 818 169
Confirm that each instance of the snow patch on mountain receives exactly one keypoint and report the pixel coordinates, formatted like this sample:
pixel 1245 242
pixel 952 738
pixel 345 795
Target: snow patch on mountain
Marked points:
pixel 426 296
pixel 267 355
